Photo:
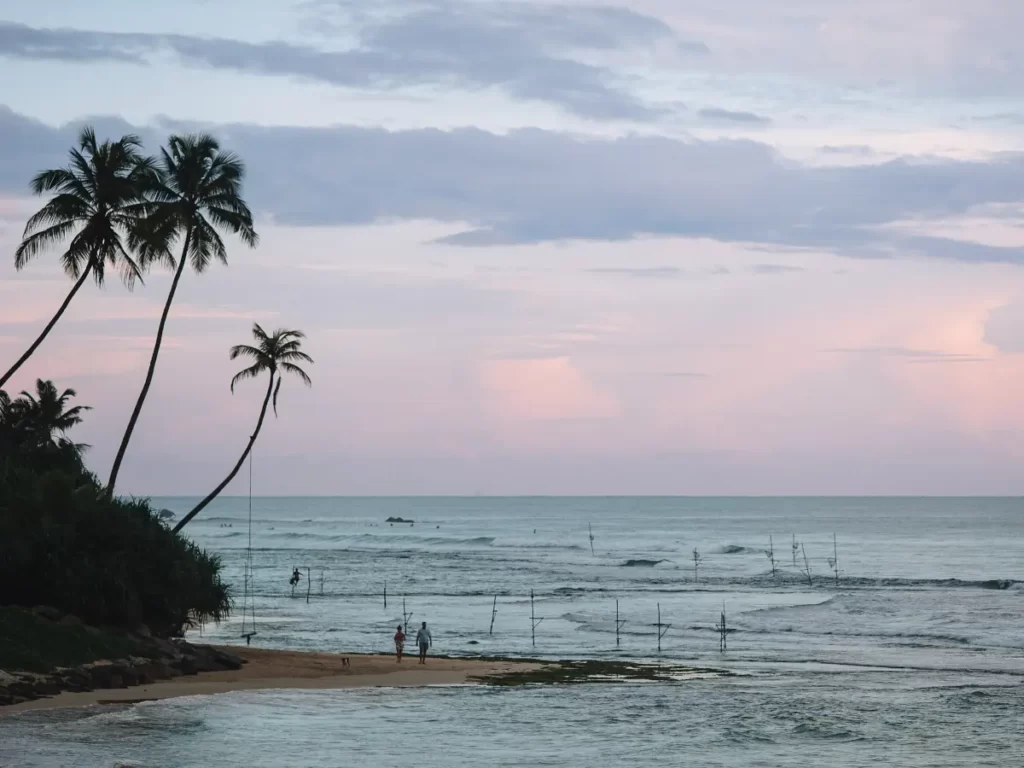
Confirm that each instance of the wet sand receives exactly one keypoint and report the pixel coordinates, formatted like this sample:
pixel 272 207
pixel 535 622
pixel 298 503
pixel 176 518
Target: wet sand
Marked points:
pixel 290 670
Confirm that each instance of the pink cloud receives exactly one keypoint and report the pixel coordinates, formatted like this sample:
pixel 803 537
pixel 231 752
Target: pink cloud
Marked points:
pixel 543 389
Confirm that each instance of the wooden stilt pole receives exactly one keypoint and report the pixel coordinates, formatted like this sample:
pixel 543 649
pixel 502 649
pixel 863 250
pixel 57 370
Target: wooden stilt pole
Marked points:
pixel 534 622
pixel 494 612
pixel 309 584
pixel 591 528
pixel 405 617
pixel 807 567
pixel 385 594
pixel 662 628
pixel 723 632
pixel 618 623
pixel 835 559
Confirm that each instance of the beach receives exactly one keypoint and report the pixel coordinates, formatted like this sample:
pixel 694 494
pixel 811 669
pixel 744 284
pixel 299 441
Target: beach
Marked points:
pixel 290 670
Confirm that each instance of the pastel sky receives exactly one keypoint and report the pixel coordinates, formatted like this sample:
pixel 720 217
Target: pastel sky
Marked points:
pixel 658 247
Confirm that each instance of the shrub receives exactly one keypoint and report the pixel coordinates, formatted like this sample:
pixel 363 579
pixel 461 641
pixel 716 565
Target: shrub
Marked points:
pixel 108 561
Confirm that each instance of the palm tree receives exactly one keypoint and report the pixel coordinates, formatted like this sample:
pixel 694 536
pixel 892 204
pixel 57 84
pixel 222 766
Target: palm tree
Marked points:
pixel 37 424
pixel 196 190
pixel 277 355
pixel 95 201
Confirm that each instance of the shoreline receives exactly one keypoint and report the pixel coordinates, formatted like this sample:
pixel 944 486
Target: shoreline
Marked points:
pixel 267 669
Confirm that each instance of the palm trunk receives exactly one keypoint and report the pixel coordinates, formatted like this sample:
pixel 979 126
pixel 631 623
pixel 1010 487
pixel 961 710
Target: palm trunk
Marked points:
pixel 49 326
pixel 231 476
pixel 152 367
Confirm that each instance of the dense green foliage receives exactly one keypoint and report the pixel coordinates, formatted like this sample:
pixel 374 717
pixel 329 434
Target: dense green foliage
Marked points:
pixel 66 544
pixel 34 644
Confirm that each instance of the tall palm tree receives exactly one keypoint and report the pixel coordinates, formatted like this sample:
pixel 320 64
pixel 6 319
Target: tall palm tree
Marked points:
pixel 96 202
pixel 197 189
pixel 275 354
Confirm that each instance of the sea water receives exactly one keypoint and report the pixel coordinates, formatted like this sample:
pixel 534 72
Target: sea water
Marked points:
pixel 914 657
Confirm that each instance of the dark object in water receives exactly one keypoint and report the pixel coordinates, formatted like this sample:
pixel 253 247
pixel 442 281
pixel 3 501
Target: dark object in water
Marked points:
pixel 997 584
pixel 641 563
pixel 166 514
pixel 398 520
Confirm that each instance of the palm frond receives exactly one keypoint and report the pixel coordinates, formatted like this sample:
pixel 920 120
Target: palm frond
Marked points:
pixel 248 373
pixel 291 368
pixel 32 245
pixel 79 253
pixel 130 271
pixel 245 350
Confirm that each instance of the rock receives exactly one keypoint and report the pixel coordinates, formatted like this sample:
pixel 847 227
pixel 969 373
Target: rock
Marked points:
pixel 129 675
pixel 75 679
pixel 165 647
pixel 203 661
pixel 166 514
pixel 185 665
pixel 47 612
pixel 105 675
pixel 641 563
pixel 143 631
pixel 398 520
pixel 8 698
pixel 151 671
pixel 70 621
pixel 227 660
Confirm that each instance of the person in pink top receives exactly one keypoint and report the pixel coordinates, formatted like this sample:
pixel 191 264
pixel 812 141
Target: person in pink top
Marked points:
pixel 399 643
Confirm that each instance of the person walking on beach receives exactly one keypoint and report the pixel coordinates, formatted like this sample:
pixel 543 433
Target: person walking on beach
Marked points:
pixel 399 643
pixel 424 641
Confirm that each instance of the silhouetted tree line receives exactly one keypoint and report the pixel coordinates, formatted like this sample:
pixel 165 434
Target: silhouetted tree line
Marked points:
pixel 65 539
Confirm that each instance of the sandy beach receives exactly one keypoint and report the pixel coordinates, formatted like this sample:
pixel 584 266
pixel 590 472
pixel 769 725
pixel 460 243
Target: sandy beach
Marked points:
pixel 290 669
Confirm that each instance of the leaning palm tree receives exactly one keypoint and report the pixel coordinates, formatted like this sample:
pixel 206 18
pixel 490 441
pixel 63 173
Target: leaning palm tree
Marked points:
pixel 96 203
pixel 275 354
pixel 197 190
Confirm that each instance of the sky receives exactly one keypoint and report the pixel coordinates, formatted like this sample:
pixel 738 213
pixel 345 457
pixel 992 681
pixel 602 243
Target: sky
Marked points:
pixel 576 247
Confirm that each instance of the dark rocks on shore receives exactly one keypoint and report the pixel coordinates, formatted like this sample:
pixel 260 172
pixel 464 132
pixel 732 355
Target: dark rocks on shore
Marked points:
pixel 166 514
pixel 159 659
pixel 48 612
pixel 399 520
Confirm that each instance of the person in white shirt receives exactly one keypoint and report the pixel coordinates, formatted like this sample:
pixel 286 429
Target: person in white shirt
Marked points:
pixel 424 641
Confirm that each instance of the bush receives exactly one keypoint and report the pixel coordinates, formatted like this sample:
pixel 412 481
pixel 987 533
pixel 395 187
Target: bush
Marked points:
pixel 107 561
pixel 64 543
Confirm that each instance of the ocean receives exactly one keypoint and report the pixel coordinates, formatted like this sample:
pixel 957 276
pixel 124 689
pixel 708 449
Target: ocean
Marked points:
pixel 914 657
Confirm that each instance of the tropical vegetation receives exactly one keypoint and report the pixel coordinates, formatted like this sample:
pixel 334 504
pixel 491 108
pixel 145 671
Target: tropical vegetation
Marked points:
pixel 96 203
pixel 65 544
pixel 196 189
pixel 66 540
